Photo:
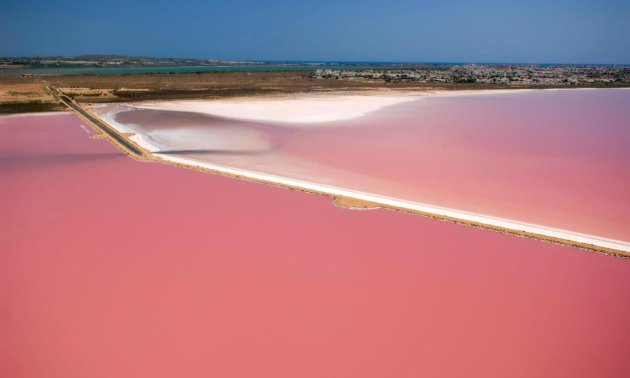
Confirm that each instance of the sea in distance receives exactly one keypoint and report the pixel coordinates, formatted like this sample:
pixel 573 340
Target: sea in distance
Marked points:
pixel 245 67
pixel 242 67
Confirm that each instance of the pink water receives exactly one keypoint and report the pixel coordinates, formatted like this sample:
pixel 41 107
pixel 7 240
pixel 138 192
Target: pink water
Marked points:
pixel 552 158
pixel 111 267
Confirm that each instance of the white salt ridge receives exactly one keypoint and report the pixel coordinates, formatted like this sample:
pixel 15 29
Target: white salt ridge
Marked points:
pixel 460 215
pixel 312 109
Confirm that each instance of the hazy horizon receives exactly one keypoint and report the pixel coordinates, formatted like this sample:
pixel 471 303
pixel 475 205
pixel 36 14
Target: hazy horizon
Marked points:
pixel 298 61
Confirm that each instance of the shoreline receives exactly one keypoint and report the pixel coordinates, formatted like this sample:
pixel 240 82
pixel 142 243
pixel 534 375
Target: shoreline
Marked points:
pixel 568 238
pixel 559 236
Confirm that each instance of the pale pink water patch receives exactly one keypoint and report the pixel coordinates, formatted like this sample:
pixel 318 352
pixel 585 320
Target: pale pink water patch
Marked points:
pixel 111 267
pixel 553 158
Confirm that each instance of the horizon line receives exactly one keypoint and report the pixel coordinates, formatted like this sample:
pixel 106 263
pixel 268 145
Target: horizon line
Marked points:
pixel 321 61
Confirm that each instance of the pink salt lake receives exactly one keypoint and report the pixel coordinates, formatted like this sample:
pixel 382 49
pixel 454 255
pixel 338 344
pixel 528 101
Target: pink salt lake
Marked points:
pixel 111 267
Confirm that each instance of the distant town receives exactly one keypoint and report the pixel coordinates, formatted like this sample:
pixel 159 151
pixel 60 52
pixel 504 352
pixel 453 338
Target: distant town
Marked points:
pixel 513 75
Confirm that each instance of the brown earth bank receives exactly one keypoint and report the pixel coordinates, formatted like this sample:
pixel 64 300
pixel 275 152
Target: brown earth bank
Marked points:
pixel 26 97
pixel 355 204
pixel 26 94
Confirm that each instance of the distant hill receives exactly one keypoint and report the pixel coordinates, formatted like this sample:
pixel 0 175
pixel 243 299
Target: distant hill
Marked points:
pixel 105 60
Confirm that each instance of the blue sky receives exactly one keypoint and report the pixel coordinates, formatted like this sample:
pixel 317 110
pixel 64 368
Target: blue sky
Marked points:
pixel 552 31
